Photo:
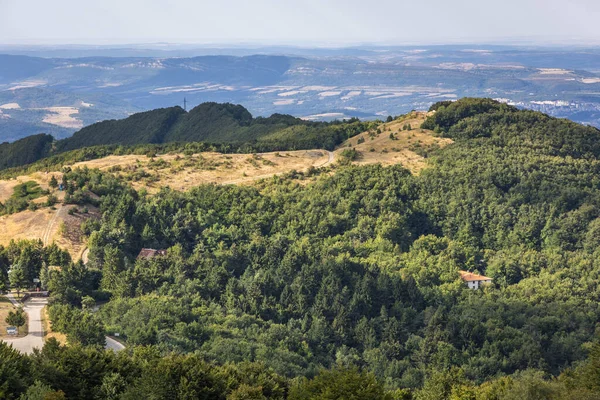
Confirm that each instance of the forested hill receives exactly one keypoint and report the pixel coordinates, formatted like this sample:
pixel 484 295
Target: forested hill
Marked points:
pixel 220 124
pixel 208 122
pixel 507 126
pixel 25 151
pixel 356 267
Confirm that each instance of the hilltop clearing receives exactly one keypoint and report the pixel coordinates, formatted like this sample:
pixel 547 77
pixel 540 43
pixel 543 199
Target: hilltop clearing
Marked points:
pixel 182 172
pixel 394 143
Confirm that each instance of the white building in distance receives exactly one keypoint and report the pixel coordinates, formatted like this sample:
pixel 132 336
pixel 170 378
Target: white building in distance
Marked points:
pixel 474 281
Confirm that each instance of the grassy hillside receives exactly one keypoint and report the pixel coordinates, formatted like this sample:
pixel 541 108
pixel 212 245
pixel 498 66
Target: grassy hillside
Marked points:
pixel 230 127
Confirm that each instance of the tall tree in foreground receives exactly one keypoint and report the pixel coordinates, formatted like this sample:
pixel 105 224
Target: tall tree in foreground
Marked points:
pixel 18 278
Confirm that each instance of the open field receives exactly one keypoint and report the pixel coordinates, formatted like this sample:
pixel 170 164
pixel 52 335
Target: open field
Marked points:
pixel 49 226
pixel 30 225
pixel 182 172
pixel 7 186
pixel 5 307
pixel 63 116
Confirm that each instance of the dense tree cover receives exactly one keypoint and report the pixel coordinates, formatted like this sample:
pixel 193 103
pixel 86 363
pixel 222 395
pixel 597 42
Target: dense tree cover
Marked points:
pixel 211 123
pixel 77 372
pixel 207 127
pixel 145 127
pixel 25 151
pixel 360 268
pixel 25 260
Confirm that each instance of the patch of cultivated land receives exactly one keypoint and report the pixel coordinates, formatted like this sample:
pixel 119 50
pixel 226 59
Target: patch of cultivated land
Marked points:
pixel 63 116
pixel 408 147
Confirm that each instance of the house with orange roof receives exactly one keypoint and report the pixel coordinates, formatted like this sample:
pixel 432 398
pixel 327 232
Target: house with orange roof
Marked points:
pixel 474 281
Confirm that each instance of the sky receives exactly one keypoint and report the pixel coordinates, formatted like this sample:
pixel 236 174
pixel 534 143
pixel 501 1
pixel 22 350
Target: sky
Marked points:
pixel 306 22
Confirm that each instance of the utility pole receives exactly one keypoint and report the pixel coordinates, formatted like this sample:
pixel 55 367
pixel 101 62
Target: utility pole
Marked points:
pixel 184 104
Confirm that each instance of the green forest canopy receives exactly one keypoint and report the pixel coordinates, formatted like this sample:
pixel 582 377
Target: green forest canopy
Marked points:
pixel 355 271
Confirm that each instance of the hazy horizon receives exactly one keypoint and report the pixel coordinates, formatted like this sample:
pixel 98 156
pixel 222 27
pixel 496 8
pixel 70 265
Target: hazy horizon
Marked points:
pixel 309 23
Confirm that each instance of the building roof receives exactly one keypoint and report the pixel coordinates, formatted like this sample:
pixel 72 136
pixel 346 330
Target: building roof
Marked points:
pixel 471 277
pixel 151 253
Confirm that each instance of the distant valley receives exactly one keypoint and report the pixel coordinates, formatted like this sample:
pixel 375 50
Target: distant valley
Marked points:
pixel 58 96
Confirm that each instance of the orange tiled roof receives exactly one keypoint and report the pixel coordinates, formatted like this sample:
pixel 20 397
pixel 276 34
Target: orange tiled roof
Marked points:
pixel 471 277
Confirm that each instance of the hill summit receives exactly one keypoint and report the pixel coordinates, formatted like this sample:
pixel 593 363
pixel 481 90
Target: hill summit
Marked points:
pixel 214 123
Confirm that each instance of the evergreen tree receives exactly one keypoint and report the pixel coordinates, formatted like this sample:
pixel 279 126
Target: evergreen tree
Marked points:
pixel 18 278
pixel 53 183
pixel 16 318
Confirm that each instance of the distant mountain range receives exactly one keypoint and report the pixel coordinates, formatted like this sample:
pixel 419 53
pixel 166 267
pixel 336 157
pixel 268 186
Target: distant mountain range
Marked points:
pixel 59 96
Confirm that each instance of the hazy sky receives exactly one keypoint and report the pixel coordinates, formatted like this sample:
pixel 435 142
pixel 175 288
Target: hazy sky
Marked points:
pixel 298 22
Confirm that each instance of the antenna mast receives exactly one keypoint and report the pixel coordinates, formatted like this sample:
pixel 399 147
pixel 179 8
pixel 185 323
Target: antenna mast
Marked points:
pixel 184 104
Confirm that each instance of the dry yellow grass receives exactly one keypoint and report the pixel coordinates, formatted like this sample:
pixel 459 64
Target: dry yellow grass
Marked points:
pixel 42 178
pixel 48 332
pixel 381 149
pixel 182 173
pixel 44 224
pixel 5 307
pixel 7 189
pixel 30 225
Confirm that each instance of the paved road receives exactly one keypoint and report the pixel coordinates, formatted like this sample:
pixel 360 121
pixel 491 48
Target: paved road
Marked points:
pixel 35 339
pixel 112 344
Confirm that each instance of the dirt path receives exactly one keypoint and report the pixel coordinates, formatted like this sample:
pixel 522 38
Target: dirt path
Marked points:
pixel 330 159
pixel 47 235
pixel 84 255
